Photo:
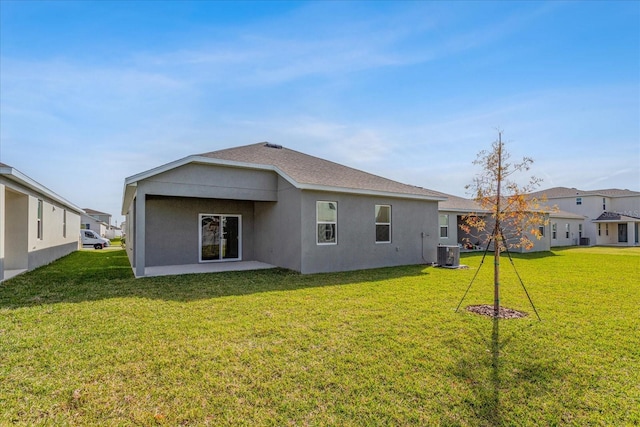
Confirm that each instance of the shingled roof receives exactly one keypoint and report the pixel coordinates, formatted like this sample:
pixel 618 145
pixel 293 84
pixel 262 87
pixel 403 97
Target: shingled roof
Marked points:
pixel 463 205
pixel 300 170
pixel 616 217
pixel 562 192
pixel 459 204
pixel 308 170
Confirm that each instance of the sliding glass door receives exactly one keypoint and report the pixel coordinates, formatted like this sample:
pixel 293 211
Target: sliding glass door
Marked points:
pixel 220 237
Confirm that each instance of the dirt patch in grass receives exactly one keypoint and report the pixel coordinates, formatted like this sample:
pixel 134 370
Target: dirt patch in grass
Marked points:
pixel 503 313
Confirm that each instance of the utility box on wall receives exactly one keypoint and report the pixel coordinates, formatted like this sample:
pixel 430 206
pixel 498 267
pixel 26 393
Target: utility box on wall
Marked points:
pixel 448 256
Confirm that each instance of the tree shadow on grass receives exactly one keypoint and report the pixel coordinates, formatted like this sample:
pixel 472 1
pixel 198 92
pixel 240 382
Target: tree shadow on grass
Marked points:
pixel 491 374
pixel 95 275
pixel 514 255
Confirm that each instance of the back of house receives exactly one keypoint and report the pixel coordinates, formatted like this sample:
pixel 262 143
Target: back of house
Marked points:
pixel 263 202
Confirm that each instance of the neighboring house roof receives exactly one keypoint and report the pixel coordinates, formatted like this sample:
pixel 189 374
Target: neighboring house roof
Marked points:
pixel 459 204
pixel 563 192
pixel 301 170
pixel 96 220
pixel 94 212
pixel 565 214
pixel 15 175
pixel 616 217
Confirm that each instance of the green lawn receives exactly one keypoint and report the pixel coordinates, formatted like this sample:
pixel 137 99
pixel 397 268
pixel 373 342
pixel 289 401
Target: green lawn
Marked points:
pixel 83 343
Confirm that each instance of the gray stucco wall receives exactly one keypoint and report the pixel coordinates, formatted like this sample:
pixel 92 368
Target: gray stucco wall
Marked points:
pixel 278 222
pixel 166 233
pixel 278 228
pixel 206 181
pixel 172 228
pixel 414 233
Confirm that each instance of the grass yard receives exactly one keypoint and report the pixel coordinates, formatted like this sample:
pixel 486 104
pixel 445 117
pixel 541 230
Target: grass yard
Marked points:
pixel 83 343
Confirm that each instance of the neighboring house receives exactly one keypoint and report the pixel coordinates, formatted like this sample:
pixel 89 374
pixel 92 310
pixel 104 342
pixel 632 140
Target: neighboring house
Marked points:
pixel 567 229
pixel 100 216
pixel 611 216
pixel 37 226
pixel 563 228
pixel 263 202
pixel 91 223
pixel 113 232
pixel 100 222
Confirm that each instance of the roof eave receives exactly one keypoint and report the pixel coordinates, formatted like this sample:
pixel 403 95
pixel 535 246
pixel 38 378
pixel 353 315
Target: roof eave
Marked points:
pixel 359 191
pixel 17 176
pixel 131 182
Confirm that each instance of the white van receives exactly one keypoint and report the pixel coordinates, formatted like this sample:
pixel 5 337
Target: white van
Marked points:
pixel 91 238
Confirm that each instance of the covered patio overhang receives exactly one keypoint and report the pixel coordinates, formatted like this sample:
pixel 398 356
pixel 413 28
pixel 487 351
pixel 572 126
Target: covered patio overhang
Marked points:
pixel 627 229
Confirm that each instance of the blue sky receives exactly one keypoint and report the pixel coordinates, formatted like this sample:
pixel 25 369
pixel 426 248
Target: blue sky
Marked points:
pixel 93 92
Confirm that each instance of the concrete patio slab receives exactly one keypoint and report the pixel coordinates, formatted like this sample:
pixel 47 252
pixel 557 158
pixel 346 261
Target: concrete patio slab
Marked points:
pixel 211 267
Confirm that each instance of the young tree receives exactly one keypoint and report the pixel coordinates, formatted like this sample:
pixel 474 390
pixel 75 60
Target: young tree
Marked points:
pixel 503 203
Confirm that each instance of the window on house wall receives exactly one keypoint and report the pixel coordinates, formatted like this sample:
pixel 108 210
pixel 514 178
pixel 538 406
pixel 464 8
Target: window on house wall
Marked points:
pixel 578 200
pixel 64 223
pixel 383 223
pixel 599 229
pixel 580 230
pixel 554 231
pixel 39 225
pixel 541 230
pixel 327 223
pixel 566 231
pixel 604 204
pixel 444 225
pixel 606 229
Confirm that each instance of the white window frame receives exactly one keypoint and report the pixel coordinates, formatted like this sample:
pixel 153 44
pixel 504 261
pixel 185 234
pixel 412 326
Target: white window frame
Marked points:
pixel 40 228
pixel 443 227
pixel 578 200
pixel 334 223
pixel 599 229
pixel 554 231
pixel 388 224
pixel 567 230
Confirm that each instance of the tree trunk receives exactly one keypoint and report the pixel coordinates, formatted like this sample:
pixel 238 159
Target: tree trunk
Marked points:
pixel 497 235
